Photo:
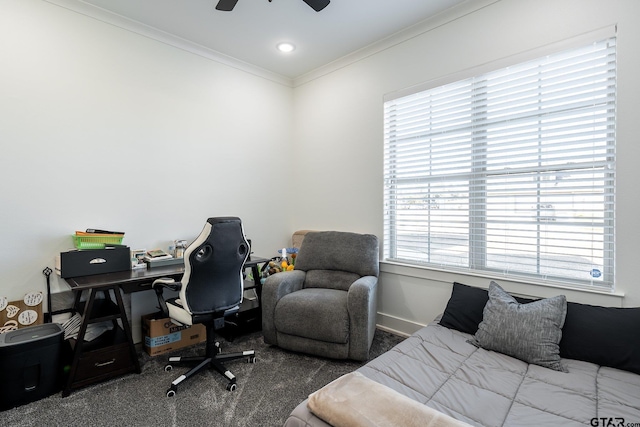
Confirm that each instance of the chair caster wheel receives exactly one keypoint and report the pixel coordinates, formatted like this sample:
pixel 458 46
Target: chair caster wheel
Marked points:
pixel 171 393
pixel 232 386
pixel 251 359
pixel 168 368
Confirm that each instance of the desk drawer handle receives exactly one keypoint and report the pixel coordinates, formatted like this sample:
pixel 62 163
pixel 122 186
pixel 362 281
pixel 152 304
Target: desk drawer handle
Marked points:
pixel 98 365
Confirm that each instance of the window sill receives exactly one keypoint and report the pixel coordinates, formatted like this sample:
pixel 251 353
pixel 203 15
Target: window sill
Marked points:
pixel 519 287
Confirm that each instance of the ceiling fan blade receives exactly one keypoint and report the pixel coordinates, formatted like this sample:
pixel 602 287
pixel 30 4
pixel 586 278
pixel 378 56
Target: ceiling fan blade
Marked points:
pixel 226 5
pixel 317 5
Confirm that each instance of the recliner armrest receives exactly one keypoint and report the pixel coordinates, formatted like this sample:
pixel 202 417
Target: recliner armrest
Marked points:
pixel 159 286
pixel 276 287
pixel 365 282
pixel 362 307
pixel 361 292
pixel 284 283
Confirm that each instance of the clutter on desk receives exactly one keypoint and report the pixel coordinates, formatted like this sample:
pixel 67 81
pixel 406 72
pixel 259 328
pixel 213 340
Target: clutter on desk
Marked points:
pixel 18 314
pixel 159 258
pixel 157 254
pixel 178 248
pixel 165 262
pixel 137 258
pixel 97 239
pixel 110 259
pixel 97 251
pixel 285 262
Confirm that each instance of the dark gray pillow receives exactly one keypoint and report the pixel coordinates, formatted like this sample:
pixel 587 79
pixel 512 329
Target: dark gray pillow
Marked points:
pixel 464 309
pixel 607 336
pixel 529 332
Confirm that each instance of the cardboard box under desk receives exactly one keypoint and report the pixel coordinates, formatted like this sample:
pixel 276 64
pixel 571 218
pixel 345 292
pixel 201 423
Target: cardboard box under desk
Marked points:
pixel 161 336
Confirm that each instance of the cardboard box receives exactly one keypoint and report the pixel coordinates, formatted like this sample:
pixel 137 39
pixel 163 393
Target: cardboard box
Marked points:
pixel 161 336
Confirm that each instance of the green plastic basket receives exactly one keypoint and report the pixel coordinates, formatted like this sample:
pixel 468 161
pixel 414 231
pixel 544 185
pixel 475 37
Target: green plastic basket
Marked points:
pixel 97 242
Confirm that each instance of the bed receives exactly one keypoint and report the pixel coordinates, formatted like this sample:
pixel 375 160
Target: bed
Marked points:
pixel 592 379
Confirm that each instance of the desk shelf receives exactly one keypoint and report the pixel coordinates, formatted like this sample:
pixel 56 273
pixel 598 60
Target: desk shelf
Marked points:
pixel 109 355
pixel 110 338
pixel 103 310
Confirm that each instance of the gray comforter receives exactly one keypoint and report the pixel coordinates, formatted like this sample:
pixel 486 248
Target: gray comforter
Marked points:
pixel 437 367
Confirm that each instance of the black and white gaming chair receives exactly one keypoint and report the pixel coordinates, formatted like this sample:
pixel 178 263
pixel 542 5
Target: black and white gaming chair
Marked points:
pixel 211 289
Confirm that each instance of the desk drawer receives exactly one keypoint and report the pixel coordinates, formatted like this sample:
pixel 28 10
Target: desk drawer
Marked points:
pixel 129 288
pixel 103 363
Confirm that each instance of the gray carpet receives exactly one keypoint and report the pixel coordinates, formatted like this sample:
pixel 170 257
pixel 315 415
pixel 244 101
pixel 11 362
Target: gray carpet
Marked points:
pixel 267 391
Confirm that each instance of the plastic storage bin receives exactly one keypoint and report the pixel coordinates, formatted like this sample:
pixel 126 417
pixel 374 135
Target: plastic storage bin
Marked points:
pixel 96 241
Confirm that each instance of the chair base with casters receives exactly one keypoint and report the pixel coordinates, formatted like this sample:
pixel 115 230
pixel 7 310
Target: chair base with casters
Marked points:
pixel 212 359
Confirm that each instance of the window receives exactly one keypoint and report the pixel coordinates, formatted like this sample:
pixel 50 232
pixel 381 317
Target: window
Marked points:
pixel 510 172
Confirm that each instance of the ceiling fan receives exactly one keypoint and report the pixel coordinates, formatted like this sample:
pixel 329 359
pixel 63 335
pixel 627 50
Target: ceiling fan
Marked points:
pixel 228 5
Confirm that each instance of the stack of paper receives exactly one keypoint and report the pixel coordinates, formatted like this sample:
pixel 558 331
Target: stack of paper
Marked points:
pixel 156 255
pixel 72 326
pixel 94 330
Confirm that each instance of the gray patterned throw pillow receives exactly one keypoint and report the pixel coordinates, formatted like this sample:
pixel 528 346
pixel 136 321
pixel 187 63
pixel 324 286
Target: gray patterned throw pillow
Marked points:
pixel 530 332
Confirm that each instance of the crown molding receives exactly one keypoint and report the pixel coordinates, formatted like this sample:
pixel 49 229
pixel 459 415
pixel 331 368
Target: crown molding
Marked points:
pixel 144 30
pixel 445 17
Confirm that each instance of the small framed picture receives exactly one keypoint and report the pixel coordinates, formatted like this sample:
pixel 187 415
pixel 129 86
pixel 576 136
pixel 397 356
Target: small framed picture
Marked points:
pixel 137 258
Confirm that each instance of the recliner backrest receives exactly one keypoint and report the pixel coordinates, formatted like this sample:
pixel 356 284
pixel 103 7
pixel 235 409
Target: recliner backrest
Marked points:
pixel 330 279
pixel 341 255
pixel 212 281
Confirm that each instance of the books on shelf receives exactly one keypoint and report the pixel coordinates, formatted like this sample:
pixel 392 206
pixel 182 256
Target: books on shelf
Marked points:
pixel 94 330
pixel 72 326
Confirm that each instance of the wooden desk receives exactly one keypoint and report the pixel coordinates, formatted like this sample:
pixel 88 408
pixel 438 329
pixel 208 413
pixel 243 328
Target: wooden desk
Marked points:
pixel 113 353
pixel 129 281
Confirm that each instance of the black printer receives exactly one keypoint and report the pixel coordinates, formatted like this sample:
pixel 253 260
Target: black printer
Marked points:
pixel 85 262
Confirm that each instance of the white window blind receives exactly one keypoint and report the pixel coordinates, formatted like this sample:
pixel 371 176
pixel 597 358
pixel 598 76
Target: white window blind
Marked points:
pixel 510 172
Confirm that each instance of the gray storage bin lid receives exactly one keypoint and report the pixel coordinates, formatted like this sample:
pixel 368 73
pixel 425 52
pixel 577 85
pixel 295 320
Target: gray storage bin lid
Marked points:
pixel 31 333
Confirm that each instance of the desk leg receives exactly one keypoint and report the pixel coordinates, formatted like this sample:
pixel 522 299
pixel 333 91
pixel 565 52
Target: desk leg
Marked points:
pixel 127 329
pixel 77 350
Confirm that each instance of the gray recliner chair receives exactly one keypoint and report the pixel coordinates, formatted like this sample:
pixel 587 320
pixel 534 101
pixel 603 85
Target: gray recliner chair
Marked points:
pixel 327 305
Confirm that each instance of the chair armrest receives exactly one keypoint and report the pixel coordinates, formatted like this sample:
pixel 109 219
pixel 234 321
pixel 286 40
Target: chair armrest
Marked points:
pixel 166 282
pixel 274 288
pixel 362 305
pixel 159 285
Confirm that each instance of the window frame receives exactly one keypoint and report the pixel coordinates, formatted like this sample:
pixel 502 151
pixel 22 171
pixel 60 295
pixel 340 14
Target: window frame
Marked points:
pixel 477 215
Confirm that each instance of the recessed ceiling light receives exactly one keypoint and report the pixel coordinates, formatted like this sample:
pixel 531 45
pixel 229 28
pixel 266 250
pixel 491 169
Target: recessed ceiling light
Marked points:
pixel 285 47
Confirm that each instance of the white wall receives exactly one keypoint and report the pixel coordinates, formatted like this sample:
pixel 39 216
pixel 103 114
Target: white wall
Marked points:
pixel 101 127
pixel 104 128
pixel 339 124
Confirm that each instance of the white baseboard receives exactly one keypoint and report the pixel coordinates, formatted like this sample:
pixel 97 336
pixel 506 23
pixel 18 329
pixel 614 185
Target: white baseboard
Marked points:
pixel 397 325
